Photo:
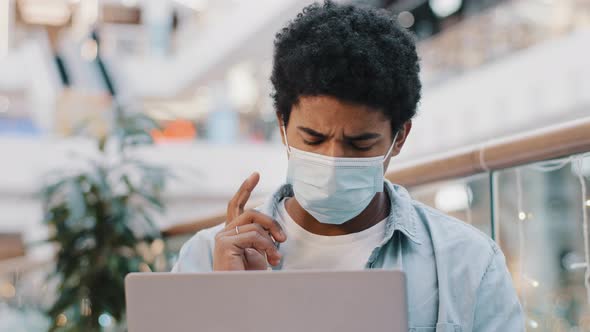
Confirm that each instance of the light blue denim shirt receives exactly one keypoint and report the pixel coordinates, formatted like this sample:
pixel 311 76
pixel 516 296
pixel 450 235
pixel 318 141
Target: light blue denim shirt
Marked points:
pixel 456 276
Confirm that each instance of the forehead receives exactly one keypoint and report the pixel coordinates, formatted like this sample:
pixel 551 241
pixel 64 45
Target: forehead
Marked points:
pixel 326 113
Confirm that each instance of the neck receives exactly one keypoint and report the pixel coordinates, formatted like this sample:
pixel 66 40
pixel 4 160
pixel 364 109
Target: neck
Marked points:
pixel 377 210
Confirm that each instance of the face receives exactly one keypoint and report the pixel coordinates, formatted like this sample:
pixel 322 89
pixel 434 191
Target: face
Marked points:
pixel 328 126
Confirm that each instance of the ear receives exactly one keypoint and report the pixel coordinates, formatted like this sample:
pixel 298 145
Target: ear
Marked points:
pixel 401 137
pixel 399 142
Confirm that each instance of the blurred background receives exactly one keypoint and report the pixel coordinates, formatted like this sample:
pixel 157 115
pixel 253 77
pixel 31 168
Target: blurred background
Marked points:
pixel 182 87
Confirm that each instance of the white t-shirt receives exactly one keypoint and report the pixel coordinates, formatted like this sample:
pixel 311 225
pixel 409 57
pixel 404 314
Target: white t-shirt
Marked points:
pixel 304 250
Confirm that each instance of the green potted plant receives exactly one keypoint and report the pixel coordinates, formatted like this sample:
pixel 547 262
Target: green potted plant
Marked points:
pixel 101 221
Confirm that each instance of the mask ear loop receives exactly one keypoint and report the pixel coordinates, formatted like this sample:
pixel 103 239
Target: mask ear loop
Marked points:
pixel 285 137
pixel 391 147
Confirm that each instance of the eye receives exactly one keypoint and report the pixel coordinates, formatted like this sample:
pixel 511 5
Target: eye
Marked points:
pixel 312 142
pixel 362 146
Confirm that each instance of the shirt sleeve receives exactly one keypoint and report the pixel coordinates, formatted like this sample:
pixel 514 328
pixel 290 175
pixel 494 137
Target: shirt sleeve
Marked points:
pixel 196 255
pixel 497 307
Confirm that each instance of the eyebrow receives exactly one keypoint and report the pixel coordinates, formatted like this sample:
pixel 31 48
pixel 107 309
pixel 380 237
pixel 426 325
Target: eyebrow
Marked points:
pixel 361 137
pixel 311 132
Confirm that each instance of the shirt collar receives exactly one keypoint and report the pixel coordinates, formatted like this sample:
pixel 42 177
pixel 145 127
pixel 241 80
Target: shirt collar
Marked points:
pixel 403 216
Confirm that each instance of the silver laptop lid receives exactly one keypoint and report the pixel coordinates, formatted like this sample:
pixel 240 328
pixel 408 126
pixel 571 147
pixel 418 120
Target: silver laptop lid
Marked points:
pixel 278 301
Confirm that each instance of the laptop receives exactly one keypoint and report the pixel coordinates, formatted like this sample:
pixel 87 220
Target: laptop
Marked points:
pixel 267 301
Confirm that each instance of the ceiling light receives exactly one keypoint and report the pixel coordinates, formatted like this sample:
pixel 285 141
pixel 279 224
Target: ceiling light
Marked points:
pixel 47 12
pixel 406 19
pixel 444 8
pixel 243 88
pixel 129 3
pixel 196 5
pixel 89 50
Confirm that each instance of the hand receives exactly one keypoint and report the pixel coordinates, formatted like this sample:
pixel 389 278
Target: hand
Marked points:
pixel 246 242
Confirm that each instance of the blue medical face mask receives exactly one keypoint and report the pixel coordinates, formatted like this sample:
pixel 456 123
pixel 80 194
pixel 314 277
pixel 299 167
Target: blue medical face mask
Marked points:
pixel 334 190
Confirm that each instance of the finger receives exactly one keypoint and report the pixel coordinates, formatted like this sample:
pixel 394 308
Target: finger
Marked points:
pixel 268 223
pixel 255 260
pixel 253 227
pixel 256 241
pixel 245 229
pixel 228 236
pixel 247 189
pixel 232 205
pixel 241 196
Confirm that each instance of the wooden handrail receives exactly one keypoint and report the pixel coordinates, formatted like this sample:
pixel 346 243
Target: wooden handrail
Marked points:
pixel 538 145
pixel 23 264
pixel 547 143
pixel 194 226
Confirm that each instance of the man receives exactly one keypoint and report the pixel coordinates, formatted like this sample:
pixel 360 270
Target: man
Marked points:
pixel 346 88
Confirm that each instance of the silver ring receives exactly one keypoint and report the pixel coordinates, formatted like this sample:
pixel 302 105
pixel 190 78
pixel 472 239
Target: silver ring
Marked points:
pixel 237 230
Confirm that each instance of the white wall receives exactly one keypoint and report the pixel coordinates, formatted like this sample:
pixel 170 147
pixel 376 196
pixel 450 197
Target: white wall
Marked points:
pixel 545 84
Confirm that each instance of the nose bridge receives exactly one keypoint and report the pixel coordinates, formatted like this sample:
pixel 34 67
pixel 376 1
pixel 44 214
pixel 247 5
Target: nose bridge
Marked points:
pixel 334 148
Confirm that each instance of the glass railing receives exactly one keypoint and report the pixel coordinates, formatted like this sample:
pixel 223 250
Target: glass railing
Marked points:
pixel 541 216
pixel 538 214
pixel 467 199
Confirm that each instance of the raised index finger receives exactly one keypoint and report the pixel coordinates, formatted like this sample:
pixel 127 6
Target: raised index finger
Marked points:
pixel 236 205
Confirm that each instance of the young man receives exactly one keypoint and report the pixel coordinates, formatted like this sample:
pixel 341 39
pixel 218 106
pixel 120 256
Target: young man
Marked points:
pixel 346 88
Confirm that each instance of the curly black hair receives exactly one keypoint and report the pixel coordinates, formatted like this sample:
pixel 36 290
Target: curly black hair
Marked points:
pixel 355 54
